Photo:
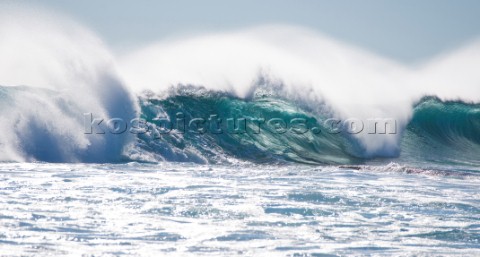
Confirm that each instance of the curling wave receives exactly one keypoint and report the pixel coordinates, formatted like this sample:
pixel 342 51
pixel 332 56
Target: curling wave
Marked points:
pixel 438 131
pixel 53 71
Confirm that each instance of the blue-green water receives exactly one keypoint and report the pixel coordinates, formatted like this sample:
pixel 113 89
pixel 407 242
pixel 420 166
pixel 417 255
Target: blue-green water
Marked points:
pixel 438 132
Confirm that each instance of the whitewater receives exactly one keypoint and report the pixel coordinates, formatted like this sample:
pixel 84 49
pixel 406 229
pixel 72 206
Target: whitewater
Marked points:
pixel 73 185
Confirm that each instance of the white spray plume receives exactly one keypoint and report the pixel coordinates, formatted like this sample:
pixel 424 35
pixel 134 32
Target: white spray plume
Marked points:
pixel 74 74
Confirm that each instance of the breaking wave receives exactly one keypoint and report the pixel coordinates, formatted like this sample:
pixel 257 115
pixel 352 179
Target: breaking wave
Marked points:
pixel 54 72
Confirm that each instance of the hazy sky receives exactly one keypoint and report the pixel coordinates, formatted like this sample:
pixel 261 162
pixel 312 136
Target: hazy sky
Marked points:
pixel 407 30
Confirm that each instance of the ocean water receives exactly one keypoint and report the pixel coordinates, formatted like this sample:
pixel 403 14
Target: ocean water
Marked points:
pixel 257 142
pixel 185 209
pixel 71 185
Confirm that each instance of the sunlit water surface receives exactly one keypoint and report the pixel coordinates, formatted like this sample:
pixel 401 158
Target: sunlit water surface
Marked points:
pixel 173 209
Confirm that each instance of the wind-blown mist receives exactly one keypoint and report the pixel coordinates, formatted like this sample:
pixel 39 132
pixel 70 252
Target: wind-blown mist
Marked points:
pixel 54 70
pixel 64 71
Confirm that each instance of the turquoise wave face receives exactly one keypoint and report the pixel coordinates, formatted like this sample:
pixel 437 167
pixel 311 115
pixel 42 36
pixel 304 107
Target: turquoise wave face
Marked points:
pixel 438 131
pixel 260 129
pixel 443 132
